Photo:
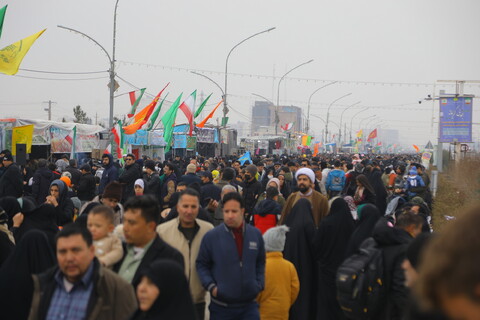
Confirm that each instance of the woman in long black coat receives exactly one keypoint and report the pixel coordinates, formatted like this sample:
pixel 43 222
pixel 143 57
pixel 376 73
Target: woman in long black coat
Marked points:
pixel 331 242
pixel 299 251
pixel 368 216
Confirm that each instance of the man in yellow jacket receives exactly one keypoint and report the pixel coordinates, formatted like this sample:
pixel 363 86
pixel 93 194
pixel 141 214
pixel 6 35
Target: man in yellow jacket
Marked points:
pixel 281 279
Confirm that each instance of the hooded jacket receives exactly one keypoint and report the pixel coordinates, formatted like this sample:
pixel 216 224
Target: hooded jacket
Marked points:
pixel 127 179
pixel 265 215
pixel 335 180
pixel 41 184
pixel 110 173
pixel 393 242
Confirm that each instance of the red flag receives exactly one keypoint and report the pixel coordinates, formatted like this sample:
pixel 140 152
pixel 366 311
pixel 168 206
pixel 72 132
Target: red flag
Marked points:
pixel 372 135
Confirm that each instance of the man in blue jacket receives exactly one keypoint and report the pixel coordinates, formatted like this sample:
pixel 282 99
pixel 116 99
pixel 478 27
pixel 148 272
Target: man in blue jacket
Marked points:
pixel 335 180
pixel 110 172
pixel 231 264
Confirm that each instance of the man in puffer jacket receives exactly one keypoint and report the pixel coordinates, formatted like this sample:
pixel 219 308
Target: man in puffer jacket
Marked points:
pixel 335 180
pixel 266 213
pixel 414 183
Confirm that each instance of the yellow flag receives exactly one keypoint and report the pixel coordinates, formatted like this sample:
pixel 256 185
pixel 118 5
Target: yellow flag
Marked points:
pixel 11 56
pixel 23 134
pixel 360 133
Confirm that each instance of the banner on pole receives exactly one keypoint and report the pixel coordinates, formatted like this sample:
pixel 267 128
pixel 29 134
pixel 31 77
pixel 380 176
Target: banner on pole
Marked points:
pixel 455 119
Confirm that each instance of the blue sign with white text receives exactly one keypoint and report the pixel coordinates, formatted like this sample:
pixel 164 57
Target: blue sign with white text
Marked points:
pixel 455 119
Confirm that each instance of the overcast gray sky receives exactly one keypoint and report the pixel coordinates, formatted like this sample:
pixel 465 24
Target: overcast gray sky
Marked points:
pixel 376 41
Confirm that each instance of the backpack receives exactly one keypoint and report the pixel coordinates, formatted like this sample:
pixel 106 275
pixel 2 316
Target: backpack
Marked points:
pixel 336 183
pixel 360 282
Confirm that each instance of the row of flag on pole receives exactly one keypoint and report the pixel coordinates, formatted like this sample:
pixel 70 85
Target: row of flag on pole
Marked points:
pixel 12 55
pixel 146 118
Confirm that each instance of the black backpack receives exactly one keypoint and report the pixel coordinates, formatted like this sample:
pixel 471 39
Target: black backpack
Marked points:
pixel 360 282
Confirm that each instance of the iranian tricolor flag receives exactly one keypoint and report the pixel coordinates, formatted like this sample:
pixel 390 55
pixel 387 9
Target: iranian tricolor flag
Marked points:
pixel 71 138
pixel 117 137
pixel 287 127
pixel 108 149
pixel 135 97
pixel 188 108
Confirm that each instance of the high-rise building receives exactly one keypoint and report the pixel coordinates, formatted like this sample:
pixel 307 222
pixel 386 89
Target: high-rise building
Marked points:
pixel 263 118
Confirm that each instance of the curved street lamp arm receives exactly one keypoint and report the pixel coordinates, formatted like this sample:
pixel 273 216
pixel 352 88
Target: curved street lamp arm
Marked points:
pixel 114 30
pixel 257 95
pixel 356 114
pixel 281 79
pixel 310 98
pixel 91 39
pixel 341 116
pixel 202 75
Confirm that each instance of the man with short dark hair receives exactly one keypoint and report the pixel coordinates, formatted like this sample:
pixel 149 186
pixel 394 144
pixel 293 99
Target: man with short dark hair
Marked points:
pixel 87 185
pixel 76 174
pixel 130 174
pixel 335 180
pixel 143 243
pixel 151 178
pixel 80 288
pixel 231 264
pixel 169 185
pixel 11 181
pixel 109 174
pixel 209 191
pixel 185 234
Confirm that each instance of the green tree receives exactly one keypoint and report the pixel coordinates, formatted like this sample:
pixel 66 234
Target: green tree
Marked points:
pixel 80 115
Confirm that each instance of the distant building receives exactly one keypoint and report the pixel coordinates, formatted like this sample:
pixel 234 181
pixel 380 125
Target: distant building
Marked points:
pixel 263 118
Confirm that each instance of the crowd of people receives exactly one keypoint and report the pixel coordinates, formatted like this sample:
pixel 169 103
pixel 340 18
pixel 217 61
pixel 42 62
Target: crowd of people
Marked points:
pixel 281 237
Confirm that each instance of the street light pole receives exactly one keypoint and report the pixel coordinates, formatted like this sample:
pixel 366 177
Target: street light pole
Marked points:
pixel 328 114
pixel 310 98
pixel 214 82
pixel 111 71
pixel 277 119
pixel 353 117
pixel 225 108
pixel 341 118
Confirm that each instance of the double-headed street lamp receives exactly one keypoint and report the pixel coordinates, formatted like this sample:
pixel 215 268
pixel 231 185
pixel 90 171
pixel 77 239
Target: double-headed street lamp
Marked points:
pixel 277 119
pixel 111 59
pixel 328 113
pixel 225 106
pixel 310 98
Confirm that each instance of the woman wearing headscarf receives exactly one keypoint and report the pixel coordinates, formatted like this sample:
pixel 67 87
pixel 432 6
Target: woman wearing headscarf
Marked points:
pixel 7 242
pixel 299 251
pixel 11 207
pixel 364 192
pixel 163 293
pixel 32 255
pixel 59 199
pixel 43 218
pixel 331 242
pixel 368 216
pixel 285 189
pixel 274 182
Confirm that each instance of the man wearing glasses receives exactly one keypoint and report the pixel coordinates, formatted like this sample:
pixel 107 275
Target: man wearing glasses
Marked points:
pixel 131 172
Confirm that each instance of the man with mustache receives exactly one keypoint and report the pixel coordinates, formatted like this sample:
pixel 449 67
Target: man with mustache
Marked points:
pixel 305 178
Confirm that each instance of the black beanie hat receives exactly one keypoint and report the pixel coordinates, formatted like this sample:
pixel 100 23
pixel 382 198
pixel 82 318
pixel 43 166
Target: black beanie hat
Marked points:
pixel 416 247
pixel 113 190
pixel 150 164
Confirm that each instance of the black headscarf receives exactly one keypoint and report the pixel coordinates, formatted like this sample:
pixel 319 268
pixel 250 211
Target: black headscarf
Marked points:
pixel 299 251
pixel 174 300
pixel 331 242
pixel 32 255
pixel 42 218
pixel 368 217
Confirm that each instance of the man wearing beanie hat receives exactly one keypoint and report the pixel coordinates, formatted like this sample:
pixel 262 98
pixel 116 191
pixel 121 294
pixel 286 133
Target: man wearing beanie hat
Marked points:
pixel 190 176
pixel 151 179
pixel 111 197
pixel 414 183
pixel 281 280
pixel 251 190
pixel 305 182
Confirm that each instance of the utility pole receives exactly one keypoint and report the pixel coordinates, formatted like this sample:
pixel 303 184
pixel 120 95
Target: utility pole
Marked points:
pixel 49 109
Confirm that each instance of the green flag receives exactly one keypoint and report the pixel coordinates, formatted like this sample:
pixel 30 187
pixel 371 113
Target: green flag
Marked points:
pixel 154 116
pixel 168 120
pixel 200 108
pixel 2 17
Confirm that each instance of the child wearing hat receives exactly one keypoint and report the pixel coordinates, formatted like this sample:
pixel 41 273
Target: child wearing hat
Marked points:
pixel 281 280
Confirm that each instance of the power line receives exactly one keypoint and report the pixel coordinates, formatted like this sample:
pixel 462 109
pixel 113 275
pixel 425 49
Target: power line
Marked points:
pixel 57 72
pixel 313 80
pixel 60 79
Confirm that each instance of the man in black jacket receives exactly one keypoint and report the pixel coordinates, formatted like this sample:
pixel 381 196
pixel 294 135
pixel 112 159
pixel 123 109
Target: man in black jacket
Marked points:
pixel 76 174
pixel 190 176
pixel 209 191
pixel 394 242
pixel 152 179
pixel 252 189
pixel 130 174
pixel 86 186
pixel 109 174
pixel 41 182
pixel 144 246
pixel 11 182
